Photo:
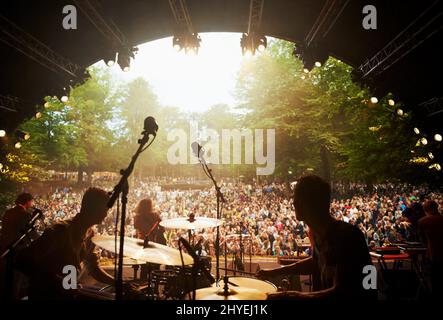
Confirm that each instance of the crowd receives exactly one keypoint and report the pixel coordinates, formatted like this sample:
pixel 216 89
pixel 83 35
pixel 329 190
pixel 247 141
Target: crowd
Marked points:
pixel 261 212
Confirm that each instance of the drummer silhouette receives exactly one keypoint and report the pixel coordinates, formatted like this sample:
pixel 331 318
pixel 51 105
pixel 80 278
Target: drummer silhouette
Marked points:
pixel 339 249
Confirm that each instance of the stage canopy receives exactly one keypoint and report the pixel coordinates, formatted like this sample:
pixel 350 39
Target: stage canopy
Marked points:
pixel 39 57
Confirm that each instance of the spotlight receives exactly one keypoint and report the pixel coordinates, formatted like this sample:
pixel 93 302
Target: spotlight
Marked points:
pixel 110 58
pixel 64 99
pixel 430 155
pixel 417 131
pixel 38 115
pixel 437 137
pixel 374 100
pixel 400 112
pixel 424 141
pixel 250 43
pixel 2 133
pixel 188 41
pixel 124 58
pixel 391 102
pixel 18 145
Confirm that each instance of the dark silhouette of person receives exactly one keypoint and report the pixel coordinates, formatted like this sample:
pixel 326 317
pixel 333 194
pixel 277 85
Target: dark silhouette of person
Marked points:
pixel 14 223
pixel 431 231
pixel 65 244
pixel 339 249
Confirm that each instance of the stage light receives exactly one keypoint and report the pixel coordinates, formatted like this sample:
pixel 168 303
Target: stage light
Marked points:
pixel 424 141
pixel 2 133
pixel 391 102
pixel 18 145
pixel 110 58
pixel 47 105
pixel 64 99
pixel 261 48
pixel 250 43
pixel 188 41
pixel 400 112
pixel 417 131
pixel 374 100
pixel 318 64
pixel 38 115
pixel 124 58
pixel 430 155
pixel 437 137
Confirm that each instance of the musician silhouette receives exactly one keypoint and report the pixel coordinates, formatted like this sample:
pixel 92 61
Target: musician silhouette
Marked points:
pixel 339 249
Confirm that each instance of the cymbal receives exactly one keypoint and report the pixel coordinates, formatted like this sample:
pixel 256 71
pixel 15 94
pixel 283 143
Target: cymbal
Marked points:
pixel 237 293
pixel 185 223
pixel 154 253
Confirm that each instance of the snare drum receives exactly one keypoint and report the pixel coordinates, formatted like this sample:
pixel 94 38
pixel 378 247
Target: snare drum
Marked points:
pixel 250 283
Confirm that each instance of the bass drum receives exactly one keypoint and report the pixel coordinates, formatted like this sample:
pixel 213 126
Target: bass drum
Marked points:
pixel 250 283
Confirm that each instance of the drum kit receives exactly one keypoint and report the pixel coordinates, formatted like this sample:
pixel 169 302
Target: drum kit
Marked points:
pixel 172 274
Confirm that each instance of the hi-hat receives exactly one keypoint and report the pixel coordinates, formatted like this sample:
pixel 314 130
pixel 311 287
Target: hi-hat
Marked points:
pixel 191 224
pixel 153 253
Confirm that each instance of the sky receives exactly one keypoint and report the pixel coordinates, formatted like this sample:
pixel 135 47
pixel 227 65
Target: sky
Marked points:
pixel 192 83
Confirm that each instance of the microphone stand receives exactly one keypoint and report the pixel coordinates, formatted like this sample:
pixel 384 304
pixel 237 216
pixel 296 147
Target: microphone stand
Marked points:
pixel 220 198
pixel 122 188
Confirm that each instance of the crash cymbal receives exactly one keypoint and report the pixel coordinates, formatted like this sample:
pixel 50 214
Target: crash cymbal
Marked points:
pixel 154 253
pixel 188 224
pixel 234 293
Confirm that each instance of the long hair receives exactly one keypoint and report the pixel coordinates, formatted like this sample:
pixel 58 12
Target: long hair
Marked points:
pixel 145 211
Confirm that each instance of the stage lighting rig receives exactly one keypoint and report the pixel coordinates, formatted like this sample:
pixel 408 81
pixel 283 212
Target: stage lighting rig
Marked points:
pixel 310 56
pixel 251 43
pixel 187 41
pixel 124 57
pixel 110 58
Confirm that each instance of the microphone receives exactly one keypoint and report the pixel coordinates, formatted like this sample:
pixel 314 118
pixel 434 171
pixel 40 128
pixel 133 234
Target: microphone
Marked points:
pixel 196 259
pixel 197 149
pixel 150 126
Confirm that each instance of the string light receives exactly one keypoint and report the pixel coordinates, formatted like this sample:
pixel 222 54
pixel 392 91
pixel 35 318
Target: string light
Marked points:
pixel 374 100
pixel 417 131
pixel 18 145
pixel 424 141
pixel 430 155
pixel 400 112
pixel 38 115
pixel 2 133
pixel 437 137
pixel 64 99
pixel 391 102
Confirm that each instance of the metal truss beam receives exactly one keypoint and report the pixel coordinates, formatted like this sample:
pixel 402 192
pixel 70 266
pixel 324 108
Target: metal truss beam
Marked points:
pixel 19 39
pixel 181 15
pixel 105 26
pixel 329 14
pixel 255 15
pixel 422 28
